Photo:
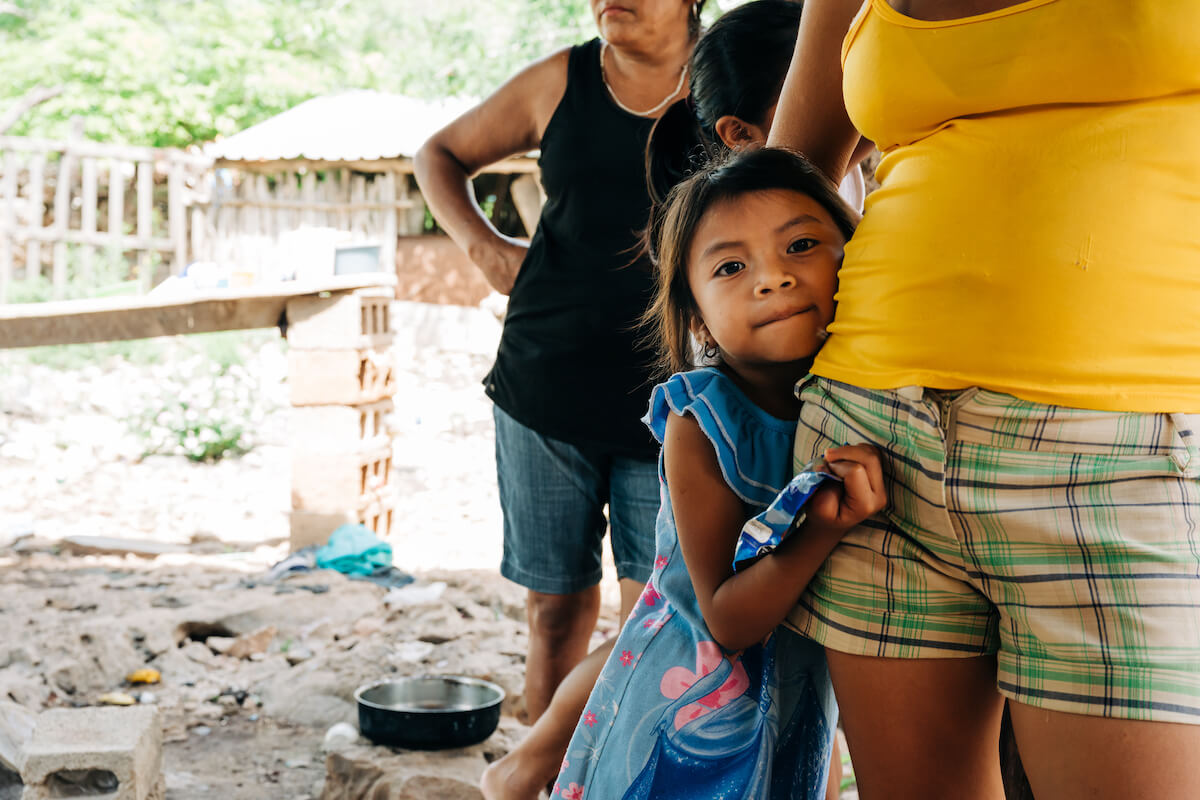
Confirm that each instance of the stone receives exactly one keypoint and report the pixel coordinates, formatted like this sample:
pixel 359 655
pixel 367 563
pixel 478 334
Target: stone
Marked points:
pixel 87 743
pixel 298 654
pixel 367 626
pixel 381 774
pixel 314 527
pixel 220 644
pixel 332 481
pixel 339 736
pixel 360 319
pixel 340 427
pixel 249 644
pixel 340 377
pixel 108 545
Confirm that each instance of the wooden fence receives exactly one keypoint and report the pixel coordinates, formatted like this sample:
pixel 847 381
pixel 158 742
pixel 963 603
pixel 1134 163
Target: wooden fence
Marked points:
pixel 151 212
pixel 267 222
pixel 61 202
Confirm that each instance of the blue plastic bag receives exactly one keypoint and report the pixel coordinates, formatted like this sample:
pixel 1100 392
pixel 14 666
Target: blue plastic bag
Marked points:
pixel 763 533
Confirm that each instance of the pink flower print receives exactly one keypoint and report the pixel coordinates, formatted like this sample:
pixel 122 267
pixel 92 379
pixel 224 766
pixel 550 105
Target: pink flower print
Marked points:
pixel 589 719
pixel 554 791
pixel 660 562
pixel 651 596
pixel 573 792
pixel 564 766
pixel 626 657
pixel 655 622
pixel 677 680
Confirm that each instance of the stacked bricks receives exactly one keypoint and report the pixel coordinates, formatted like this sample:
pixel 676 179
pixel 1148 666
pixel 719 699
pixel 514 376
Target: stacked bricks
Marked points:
pixel 342 380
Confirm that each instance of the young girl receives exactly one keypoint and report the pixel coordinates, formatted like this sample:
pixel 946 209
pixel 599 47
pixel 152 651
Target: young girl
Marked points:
pixel 702 695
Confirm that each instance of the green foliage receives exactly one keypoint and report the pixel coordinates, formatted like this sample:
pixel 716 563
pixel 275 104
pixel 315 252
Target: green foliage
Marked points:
pixel 180 72
pixel 209 407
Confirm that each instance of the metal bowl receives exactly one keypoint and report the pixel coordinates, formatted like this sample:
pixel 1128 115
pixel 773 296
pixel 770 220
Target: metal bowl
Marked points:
pixel 429 712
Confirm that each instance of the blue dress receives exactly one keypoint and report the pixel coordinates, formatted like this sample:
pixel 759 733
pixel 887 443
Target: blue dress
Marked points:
pixel 672 714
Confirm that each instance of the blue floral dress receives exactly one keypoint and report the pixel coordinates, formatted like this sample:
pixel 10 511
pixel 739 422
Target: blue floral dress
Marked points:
pixel 672 714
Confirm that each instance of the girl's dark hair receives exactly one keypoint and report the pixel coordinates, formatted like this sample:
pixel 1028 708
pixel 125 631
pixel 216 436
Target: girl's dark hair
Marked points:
pixel 737 69
pixel 671 316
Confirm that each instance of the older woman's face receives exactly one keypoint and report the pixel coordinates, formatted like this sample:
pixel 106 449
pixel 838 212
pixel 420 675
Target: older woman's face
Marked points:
pixel 631 21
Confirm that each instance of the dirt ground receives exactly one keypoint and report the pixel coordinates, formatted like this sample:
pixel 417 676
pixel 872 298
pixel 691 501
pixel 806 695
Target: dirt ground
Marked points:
pixel 74 623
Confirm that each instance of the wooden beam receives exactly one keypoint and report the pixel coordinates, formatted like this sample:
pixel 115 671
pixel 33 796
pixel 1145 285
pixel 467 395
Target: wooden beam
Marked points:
pixel 118 318
pixel 399 165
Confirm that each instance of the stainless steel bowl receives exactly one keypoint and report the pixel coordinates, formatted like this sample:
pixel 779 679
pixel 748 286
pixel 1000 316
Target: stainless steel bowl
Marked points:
pixel 429 712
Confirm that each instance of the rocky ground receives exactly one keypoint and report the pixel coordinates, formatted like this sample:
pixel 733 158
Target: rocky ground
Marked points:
pixel 249 720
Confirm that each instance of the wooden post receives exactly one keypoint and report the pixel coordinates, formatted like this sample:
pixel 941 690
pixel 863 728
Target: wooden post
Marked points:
pixel 8 222
pixel 308 193
pixel 116 207
pixel 387 261
pixel 37 213
pixel 87 218
pixel 62 205
pixel 145 222
pixel 176 221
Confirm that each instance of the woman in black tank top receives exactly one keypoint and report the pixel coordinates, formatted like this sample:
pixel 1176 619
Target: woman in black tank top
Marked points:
pixel 570 376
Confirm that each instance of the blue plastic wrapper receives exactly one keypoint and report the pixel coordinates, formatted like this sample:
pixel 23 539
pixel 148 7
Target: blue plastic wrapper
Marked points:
pixel 763 533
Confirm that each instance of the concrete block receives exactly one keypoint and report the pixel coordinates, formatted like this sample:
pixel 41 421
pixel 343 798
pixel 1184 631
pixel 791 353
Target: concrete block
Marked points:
pixel 73 746
pixel 358 320
pixel 334 428
pixel 314 527
pixel 336 481
pixel 340 377
pixel 16 727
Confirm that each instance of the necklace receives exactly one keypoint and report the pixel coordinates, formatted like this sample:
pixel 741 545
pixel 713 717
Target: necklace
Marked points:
pixel 650 111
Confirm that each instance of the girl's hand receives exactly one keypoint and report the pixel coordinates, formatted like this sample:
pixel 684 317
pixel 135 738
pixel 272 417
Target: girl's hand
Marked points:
pixel 839 507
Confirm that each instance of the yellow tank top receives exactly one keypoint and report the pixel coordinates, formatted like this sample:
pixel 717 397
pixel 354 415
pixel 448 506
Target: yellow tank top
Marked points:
pixel 1037 227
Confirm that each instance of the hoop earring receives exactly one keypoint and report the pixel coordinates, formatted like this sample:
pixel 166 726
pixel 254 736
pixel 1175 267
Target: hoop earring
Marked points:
pixel 695 11
pixel 711 351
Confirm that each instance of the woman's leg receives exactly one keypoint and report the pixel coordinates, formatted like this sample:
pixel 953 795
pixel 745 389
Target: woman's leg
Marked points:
pixel 920 728
pixel 533 763
pixel 1071 756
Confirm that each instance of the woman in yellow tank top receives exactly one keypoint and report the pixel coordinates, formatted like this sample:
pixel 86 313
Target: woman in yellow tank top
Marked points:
pixel 1018 327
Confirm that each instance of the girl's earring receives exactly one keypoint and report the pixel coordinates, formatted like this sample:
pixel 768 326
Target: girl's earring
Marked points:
pixel 695 12
pixel 711 351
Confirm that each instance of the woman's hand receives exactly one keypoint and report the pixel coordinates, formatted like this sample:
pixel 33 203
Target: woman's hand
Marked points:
pixel 499 258
pixel 839 507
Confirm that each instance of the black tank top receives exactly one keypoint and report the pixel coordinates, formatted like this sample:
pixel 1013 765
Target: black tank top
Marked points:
pixel 569 365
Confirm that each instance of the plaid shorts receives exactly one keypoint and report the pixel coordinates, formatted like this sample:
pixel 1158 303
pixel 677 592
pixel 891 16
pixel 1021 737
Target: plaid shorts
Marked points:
pixel 1063 540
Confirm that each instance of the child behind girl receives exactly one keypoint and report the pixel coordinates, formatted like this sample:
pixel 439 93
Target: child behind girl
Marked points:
pixel 703 695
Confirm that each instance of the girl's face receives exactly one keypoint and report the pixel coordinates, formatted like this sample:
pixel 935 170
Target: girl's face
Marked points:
pixel 762 268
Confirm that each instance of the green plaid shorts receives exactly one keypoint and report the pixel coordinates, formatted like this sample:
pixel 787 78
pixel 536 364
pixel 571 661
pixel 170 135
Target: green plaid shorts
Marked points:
pixel 1063 540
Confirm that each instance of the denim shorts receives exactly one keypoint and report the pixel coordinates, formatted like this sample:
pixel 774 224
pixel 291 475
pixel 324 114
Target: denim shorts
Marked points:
pixel 553 496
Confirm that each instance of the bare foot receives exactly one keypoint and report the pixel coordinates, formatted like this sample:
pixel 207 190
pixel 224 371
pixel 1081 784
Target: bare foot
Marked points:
pixel 510 779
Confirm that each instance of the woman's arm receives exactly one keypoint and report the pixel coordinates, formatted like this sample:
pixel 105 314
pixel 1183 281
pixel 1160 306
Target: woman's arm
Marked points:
pixel 811 117
pixel 511 121
pixel 741 608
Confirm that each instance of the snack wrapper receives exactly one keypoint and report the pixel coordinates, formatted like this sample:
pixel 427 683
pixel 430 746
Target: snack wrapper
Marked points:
pixel 763 533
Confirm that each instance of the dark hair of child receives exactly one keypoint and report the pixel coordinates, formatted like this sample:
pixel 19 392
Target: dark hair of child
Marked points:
pixel 673 313
pixel 737 69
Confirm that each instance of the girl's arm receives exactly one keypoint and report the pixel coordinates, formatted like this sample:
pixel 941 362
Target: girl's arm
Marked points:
pixel 811 117
pixel 509 122
pixel 741 609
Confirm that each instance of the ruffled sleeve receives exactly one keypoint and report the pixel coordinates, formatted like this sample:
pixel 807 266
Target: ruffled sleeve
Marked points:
pixel 753 448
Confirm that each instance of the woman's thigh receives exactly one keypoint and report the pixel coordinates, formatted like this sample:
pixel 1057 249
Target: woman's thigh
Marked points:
pixel 1069 756
pixel 920 728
